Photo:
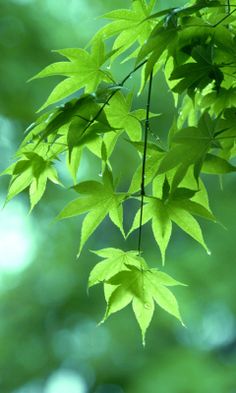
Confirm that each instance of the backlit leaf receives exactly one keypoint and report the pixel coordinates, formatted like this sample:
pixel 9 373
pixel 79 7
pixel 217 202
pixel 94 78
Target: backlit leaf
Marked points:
pixel 143 288
pixel 97 200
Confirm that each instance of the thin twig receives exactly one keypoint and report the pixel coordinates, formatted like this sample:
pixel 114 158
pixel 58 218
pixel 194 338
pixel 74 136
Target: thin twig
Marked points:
pixel 142 189
pixel 228 6
pixel 112 95
pixel 225 17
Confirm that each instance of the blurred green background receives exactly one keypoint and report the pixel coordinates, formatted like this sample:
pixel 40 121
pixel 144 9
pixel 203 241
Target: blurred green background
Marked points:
pixel 49 338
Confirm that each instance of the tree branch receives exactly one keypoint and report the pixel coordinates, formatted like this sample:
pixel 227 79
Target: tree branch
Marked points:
pixel 142 188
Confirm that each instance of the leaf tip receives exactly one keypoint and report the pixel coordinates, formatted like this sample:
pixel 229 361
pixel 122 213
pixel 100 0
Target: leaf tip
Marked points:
pixel 183 324
pixel 5 203
pixel 101 322
pixel 31 79
pixel 143 343
pixel 208 252
pixel 87 289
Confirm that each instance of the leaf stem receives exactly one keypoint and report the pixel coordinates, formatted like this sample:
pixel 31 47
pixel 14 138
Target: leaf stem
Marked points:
pixel 142 188
pixel 228 7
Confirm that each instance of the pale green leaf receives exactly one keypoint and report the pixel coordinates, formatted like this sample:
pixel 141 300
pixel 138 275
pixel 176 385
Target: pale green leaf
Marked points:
pixel 97 200
pixel 186 222
pixel 37 189
pixel 216 165
pixel 154 155
pixel 73 162
pixel 130 26
pixel 19 183
pixel 82 71
pixel 141 287
pixel 120 116
pixel 115 261
pixel 155 210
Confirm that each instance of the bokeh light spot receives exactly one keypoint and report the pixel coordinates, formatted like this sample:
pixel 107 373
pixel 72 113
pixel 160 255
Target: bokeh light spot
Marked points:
pixel 17 238
pixel 65 381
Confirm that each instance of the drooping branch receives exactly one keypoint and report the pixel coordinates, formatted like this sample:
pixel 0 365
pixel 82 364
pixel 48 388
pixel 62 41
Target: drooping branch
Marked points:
pixel 142 188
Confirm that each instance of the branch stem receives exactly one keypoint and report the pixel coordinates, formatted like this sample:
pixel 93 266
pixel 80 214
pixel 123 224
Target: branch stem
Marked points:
pixel 142 188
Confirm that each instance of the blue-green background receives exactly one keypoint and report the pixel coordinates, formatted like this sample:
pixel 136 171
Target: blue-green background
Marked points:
pixel 49 338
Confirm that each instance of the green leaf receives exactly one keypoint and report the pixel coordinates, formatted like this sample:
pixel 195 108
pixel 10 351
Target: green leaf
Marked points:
pixel 161 40
pixel 199 5
pixel 115 261
pixel 217 101
pixel 216 165
pixel 199 74
pixel 120 116
pixel 189 147
pixel 37 189
pixel 109 139
pixel 154 155
pixel 87 123
pixel 73 162
pixel 155 210
pixel 19 183
pixel 100 200
pixel 130 26
pixel 52 122
pixel 162 211
pixel 143 288
pixel 181 215
pixel 158 42
pixel 83 70
pixel 33 172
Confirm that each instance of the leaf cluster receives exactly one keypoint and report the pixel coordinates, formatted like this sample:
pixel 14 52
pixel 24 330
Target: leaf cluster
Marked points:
pixel 194 48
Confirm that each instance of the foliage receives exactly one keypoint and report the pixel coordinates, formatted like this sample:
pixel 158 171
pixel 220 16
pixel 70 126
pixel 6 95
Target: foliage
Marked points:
pixel 194 47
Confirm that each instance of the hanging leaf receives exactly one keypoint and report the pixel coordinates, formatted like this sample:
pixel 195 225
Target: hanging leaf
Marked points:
pixel 83 70
pixel 97 200
pixel 115 261
pixel 33 172
pixel 168 208
pixel 189 147
pixel 119 114
pixel 143 288
pixel 131 26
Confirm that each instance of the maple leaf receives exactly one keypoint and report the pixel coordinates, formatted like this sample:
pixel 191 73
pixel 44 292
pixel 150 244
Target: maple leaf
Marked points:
pixel 175 207
pixel 143 288
pixel 115 261
pixel 97 200
pixel 154 155
pixel 132 26
pixel 189 147
pixel 119 114
pixel 218 101
pixel 83 70
pixel 33 172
